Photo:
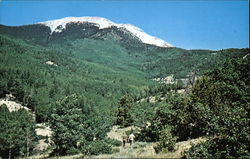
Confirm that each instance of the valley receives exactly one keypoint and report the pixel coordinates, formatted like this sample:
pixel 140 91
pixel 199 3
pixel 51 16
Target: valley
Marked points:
pixel 89 81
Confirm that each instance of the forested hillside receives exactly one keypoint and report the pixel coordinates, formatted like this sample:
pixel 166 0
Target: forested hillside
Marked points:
pixel 217 109
pixel 81 87
pixel 38 85
pixel 119 49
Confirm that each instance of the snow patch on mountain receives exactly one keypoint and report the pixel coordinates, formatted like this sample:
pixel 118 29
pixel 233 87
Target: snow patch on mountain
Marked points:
pixel 144 37
pixel 60 24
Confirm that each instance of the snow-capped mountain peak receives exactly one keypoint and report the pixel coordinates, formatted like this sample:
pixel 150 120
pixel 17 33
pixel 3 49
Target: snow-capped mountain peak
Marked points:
pixel 53 24
pixel 105 23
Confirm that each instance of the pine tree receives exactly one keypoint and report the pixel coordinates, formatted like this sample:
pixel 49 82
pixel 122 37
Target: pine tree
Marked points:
pixel 124 117
pixel 17 133
pixel 68 125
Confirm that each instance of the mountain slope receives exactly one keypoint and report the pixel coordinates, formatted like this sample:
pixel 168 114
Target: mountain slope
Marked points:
pixel 25 73
pixel 119 46
pixel 91 26
pixel 102 23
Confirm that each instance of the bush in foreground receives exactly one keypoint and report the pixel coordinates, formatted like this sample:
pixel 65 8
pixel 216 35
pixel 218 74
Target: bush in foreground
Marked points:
pixel 98 147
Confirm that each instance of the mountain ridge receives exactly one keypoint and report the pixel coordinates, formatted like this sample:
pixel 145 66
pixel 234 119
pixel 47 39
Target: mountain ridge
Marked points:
pixel 59 25
pixel 117 48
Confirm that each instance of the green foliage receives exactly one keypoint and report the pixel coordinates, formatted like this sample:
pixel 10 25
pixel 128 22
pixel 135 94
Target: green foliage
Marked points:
pixel 17 133
pixel 225 91
pixel 231 136
pixel 124 117
pixel 142 112
pixel 23 73
pixel 115 48
pixel 217 148
pixel 37 85
pixel 200 151
pixel 174 112
pixel 99 71
pixel 98 147
pixel 36 33
pixel 149 60
pixel 113 142
pixel 227 85
pixel 218 107
pixel 166 141
pixel 67 124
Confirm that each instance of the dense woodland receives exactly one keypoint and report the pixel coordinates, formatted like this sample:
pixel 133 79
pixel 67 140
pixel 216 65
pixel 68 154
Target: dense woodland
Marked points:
pixel 217 107
pixel 95 84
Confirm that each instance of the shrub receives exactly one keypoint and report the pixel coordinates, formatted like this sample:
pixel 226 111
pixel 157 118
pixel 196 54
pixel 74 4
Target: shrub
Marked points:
pixel 225 92
pixel 166 142
pixel 218 148
pixel 98 147
pixel 73 151
pixel 113 142
pixel 199 151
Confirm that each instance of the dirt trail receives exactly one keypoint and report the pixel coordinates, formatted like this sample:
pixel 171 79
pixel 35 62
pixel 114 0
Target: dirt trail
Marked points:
pixel 145 149
pixel 137 150
pixel 117 133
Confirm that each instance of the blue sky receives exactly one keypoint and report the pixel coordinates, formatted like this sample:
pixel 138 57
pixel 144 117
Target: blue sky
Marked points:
pixel 186 24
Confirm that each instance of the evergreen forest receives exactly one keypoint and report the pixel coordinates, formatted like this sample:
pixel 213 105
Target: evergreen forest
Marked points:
pixel 82 87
